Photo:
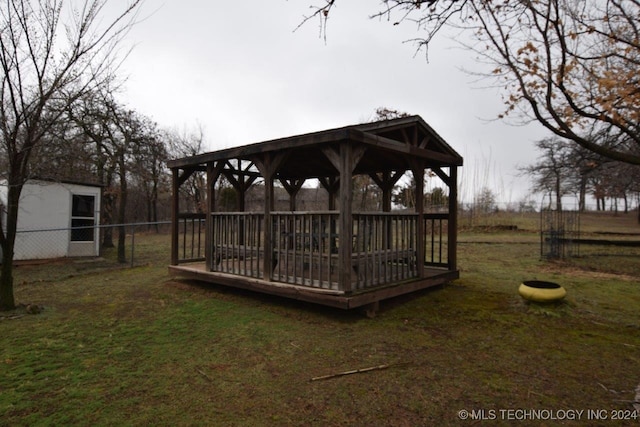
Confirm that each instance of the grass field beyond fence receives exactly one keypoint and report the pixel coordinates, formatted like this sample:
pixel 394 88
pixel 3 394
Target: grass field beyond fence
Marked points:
pixel 130 346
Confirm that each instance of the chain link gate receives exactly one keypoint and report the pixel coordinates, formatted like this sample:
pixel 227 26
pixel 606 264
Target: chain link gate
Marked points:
pixel 559 234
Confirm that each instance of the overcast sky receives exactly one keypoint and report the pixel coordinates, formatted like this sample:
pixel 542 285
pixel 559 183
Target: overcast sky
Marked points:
pixel 239 70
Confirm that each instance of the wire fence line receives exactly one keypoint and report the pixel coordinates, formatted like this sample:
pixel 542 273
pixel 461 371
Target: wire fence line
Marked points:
pixel 149 243
pixel 96 241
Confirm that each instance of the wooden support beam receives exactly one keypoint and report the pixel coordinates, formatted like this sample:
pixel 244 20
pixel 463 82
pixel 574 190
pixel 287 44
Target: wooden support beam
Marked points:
pixel 332 185
pixel 175 211
pixel 240 178
pixel 452 254
pixel 214 171
pixel 268 164
pixel 358 154
pixel 345 161
pixel 409 150
pixel 268 173
pixel 443 176
pixel 418 168
pixel 185 175
pixel 345 228
pixel 292 186
pixel 386 181
pixel 211 205
pixel 335 157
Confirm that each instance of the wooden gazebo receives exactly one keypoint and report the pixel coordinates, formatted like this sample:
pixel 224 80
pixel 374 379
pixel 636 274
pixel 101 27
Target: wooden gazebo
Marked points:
pixel 337 257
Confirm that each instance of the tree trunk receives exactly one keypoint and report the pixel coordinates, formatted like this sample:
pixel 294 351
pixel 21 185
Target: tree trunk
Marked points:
pixel 154 213
pixel 104 178
pixel 583 193
pixel 558 195
pixel 154 204
pixel 148 206
pixel 108 201
pixel 7 300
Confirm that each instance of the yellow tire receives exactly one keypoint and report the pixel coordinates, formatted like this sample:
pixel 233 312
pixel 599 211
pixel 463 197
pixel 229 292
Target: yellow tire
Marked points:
pixel 539 291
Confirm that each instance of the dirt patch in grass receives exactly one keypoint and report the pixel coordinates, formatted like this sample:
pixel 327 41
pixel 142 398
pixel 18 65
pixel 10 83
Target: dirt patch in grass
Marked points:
pixel 572 270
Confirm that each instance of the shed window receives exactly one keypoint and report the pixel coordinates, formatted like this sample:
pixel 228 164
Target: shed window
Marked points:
pixel 82 215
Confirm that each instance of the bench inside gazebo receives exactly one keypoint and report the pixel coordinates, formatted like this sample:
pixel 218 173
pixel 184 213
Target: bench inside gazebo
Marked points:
pixel 335 256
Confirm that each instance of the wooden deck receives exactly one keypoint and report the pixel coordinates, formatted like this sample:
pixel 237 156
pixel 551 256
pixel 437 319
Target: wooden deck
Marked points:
pixel 329 297
pixel 330 254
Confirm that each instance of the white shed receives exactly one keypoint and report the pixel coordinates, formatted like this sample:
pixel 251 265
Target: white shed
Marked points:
pixel 56 219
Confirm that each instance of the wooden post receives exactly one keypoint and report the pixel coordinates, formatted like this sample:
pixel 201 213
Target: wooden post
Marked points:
pixel 453 219
pixel 268 207
pixel 418 175
pixel 292 187
pixel 268 164
pixel 386 182
pixel 345 162
pixel 175 211
pixel 345 232
pixel 211 207
pixel 331 205
pixel 331 184
pixel 331 189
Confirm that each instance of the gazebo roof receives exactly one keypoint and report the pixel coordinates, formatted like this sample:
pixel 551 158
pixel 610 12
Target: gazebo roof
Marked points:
pixel 390 146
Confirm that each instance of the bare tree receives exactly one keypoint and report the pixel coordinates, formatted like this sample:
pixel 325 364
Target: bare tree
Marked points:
pixel 485 201
pixel 51 52
pixel 569 64
pixel 123 137
pixel 125 146
pixel 63 155
pixel 186 144
pixel 150 168
pixel 554 169
pixel 615 181
pixel 91 118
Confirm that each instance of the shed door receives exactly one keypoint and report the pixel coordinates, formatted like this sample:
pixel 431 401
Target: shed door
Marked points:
pixel 83 221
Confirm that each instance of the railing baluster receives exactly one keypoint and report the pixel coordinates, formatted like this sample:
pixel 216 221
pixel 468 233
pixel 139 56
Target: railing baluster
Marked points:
pixel 384 246
pixel 440 244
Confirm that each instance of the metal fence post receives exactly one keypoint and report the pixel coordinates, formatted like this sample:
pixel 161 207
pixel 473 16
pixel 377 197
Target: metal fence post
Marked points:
pixel 133 240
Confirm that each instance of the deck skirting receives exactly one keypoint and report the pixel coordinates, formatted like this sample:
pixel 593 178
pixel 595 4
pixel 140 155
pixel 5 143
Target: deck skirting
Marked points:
pixel 328 297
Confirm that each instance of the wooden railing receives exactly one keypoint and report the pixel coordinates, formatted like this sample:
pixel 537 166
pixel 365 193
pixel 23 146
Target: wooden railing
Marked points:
pixel 237 241
pixel 436 243
pixel 384 248
pixel 304 246
pixel 191 237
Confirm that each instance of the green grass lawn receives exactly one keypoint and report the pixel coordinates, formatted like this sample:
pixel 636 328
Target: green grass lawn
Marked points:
pixel 132 347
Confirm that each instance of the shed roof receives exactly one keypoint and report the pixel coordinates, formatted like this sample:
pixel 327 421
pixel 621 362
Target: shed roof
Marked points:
pixel 390 145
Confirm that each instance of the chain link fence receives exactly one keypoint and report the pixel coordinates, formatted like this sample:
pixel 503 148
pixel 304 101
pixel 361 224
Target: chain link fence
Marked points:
pixel 143 243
